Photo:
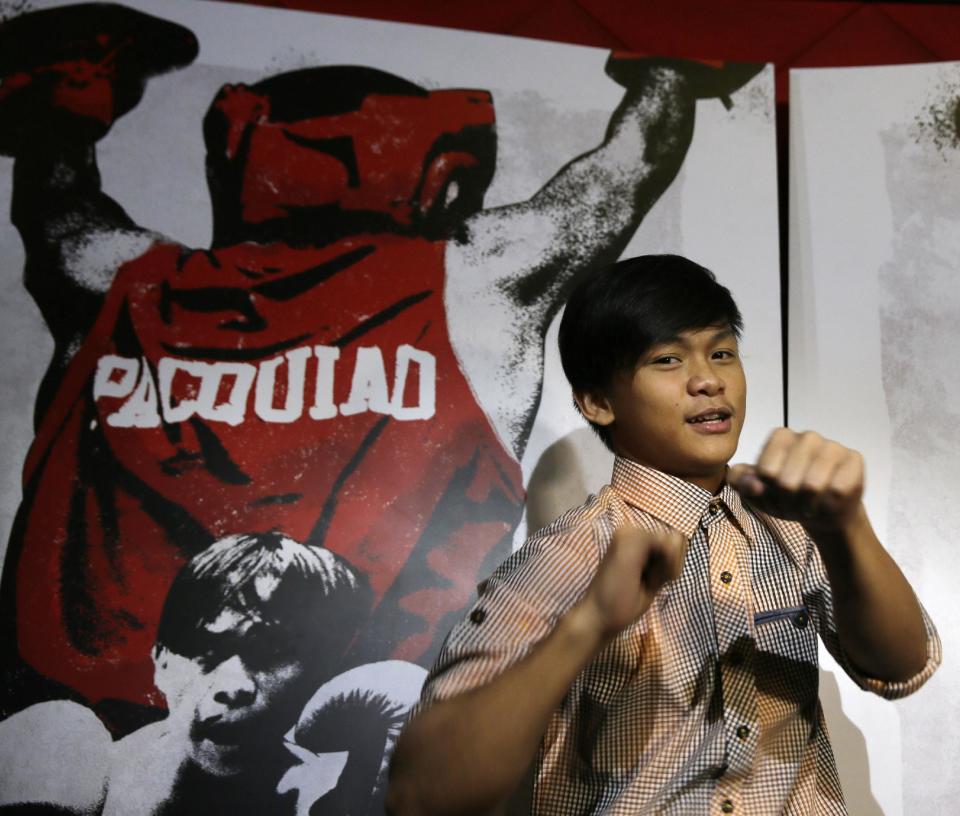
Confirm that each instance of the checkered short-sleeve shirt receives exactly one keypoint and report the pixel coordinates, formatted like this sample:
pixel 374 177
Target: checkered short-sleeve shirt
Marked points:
pixel 709 703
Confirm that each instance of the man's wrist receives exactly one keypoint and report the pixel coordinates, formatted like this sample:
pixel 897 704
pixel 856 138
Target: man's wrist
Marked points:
pixel 842 543
pixel 584 630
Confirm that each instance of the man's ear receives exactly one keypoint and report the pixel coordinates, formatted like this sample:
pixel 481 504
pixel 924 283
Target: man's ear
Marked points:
pixel 595 407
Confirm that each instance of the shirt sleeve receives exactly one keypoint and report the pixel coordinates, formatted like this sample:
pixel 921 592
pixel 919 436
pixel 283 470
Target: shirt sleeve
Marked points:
pixel 516 607
pixel 818 597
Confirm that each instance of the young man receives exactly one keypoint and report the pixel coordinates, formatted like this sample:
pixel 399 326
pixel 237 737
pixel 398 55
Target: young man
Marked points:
pixel 655 650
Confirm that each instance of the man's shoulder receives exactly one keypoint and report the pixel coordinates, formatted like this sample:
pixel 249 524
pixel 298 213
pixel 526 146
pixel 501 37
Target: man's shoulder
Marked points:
pixel 596 512
pixel 589 527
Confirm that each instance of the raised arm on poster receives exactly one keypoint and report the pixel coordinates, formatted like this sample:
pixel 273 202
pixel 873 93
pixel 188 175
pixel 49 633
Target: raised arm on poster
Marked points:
pixel 655 650
pixel 69 73
pixel 581 219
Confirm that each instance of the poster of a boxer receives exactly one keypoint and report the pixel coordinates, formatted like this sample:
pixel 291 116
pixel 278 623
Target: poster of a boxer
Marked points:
pixel 282 328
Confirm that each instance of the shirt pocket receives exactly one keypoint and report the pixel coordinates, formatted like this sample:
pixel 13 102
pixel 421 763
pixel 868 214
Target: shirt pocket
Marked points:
pixel 786 663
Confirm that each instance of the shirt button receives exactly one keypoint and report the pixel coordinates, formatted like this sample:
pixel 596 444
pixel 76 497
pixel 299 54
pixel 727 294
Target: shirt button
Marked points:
pixel 743 732
pixel 800 620
pixel 727 806
pixel 726 576
pixel 478 616
pixel 713 509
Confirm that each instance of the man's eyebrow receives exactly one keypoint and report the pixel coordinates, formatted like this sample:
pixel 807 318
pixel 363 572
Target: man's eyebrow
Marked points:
pixel 678 339
pixel 723 334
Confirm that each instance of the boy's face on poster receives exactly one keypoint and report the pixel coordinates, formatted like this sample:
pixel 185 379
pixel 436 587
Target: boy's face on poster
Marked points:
pixel 236 698
pixel 682 408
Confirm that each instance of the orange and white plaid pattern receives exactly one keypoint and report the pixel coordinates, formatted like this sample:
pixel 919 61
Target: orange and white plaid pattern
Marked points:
pixel 709 703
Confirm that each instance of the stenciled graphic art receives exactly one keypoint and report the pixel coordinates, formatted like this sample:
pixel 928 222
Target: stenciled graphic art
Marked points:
pixel 270 466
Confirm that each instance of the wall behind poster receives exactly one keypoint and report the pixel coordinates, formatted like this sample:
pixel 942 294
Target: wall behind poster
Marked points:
pixel 874 299
pixel 552 103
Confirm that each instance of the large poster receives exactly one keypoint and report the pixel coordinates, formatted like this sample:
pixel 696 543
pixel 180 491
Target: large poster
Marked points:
pixel 875 235
pixel 281 373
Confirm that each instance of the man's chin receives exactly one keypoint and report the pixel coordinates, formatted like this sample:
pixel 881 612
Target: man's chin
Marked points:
pixel 220 759
pixel 713 458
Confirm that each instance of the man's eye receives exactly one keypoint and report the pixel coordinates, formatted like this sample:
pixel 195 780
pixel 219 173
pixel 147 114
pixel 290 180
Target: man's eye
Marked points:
pixel 266 646
pixel 209 658
pixel 666 359
pixel 723 354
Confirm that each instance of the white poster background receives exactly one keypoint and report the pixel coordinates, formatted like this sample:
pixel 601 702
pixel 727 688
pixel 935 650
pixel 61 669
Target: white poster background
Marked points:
pixel 874 340
pixel 552 103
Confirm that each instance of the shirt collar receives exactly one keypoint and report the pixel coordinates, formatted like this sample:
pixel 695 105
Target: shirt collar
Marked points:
pixel 682 505
pixel 673 500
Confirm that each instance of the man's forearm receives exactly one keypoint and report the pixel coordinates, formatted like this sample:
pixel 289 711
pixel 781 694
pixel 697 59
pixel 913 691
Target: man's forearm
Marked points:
pixel 805 477
pixel 467 754
pixel 76 238
pixel 878 618
pixel 590 208
pixel 598 200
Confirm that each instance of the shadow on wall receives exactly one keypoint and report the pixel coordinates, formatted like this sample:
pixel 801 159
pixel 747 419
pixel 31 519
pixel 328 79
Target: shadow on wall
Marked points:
pixel 850 749
pixel 572 468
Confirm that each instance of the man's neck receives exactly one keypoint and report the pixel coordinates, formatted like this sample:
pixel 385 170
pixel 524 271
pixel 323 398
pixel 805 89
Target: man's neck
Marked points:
pixel 713 483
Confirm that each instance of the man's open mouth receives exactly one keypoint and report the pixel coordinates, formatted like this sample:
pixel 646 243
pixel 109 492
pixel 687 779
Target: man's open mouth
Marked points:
pixel 712 415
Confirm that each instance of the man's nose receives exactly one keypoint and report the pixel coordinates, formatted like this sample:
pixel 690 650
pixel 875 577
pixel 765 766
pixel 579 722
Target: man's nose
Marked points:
pixel 705 379
pixel 232 685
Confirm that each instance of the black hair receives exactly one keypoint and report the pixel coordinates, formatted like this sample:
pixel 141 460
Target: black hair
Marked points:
pixel 333 90
pixel 329 90
pixel 618 313
pixel 316 606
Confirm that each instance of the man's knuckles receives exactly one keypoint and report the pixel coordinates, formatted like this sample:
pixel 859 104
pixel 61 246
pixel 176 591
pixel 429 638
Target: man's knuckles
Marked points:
pixel 629 540
pixel 804 461
pixel 637 537
pixel 656 556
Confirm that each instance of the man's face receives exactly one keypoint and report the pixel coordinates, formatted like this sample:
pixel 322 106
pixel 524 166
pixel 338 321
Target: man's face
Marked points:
pixel 236 699
pixel 682 409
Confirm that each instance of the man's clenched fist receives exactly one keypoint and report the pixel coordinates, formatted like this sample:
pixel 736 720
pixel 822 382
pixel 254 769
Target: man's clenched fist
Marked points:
pixel 804 477
pixel 636 565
